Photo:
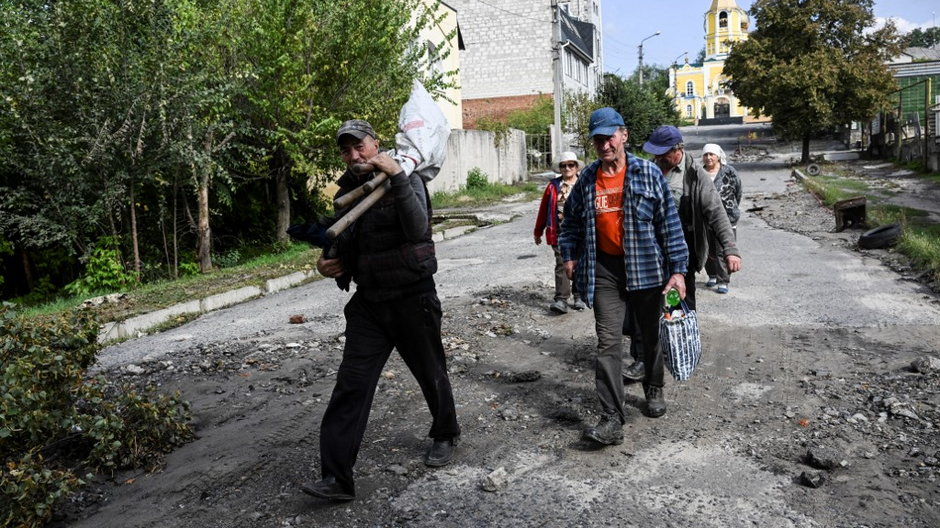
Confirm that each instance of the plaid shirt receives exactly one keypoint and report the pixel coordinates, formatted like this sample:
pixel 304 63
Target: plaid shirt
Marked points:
pixel 654 247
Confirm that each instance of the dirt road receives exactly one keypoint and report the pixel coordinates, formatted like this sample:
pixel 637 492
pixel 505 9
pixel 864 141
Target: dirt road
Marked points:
pixel 806 380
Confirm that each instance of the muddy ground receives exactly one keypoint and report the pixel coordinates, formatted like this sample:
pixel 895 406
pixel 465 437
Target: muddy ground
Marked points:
pixel 798 415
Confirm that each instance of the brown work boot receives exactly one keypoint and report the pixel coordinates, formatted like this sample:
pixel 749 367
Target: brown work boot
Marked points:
pixel 635 372
pixel 655 401
pixel 609 431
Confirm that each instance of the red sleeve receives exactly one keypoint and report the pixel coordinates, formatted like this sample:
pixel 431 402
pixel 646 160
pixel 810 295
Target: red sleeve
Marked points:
pixel 542 217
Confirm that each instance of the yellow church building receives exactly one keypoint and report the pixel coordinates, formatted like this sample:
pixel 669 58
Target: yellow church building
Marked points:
pixel 698 89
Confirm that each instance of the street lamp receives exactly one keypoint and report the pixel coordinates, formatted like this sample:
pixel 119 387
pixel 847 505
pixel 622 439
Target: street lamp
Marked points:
pixel 641 55
pixel 675 76
pixel 675 61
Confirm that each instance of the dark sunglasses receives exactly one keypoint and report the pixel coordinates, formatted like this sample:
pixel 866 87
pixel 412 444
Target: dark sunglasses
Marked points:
pixel 564 165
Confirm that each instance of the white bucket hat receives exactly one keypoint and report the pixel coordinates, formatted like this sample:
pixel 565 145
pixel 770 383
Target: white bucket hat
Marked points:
pixel 567 156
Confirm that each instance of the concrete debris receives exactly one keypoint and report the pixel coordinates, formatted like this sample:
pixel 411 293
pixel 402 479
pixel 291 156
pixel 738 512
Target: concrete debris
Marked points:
pixel 926 364
pixel 495 481
pixel 812 480
pixel 825 458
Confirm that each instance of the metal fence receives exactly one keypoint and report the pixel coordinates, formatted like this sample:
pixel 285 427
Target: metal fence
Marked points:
pixel 538 148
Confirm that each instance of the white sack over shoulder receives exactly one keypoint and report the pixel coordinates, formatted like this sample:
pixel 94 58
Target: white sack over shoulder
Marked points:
pixel 421 143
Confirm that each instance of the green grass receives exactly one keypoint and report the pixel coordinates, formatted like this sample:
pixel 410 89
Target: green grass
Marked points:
pixel 255 272
pixel 920 240
pixel 483 194
pixel 157 295
pixel 923 246
pixel 831 190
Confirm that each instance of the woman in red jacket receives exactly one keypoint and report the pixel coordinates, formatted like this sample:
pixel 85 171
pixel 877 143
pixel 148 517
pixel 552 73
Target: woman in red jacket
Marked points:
pixel 548 221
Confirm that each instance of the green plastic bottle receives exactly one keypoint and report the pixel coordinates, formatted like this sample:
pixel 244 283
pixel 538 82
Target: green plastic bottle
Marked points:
pixel 672 298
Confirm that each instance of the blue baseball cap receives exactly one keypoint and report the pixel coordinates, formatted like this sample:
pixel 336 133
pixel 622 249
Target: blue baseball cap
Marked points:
pixel 662 140
pixel 604 122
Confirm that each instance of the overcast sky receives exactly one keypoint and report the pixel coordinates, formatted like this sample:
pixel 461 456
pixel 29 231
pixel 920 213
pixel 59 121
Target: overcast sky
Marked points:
pixel 681 23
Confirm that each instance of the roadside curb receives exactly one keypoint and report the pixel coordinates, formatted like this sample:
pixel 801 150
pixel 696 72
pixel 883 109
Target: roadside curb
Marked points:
pixel 141 324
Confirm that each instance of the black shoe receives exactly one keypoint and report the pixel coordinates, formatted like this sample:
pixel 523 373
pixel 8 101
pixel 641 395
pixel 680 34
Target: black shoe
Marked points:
pixel 441 451
pixel 328 489
pixel 655 402
pixel 635 372
pixel 609 431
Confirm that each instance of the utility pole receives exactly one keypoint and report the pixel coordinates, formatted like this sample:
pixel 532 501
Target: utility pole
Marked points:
pixel 558 137
pixel 640 69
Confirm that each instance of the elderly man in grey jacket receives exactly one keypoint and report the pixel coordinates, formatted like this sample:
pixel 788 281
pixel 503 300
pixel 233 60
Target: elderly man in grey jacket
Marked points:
pixel 700 209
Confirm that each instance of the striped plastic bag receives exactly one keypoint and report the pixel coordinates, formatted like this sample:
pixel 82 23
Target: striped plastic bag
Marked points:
pixel 680 341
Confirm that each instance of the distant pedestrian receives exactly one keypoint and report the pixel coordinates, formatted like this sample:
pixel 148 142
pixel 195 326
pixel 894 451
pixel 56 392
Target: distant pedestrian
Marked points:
pixel 622 243
pixel 390 256
pixel 548 221
pixel 715 166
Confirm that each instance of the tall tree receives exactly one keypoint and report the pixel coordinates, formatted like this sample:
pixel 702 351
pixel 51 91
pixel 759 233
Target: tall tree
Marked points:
pixel 117 116
pixel 643 107
pixel 812 65
pixel 578 109
pixel 922 38
pixel 311 64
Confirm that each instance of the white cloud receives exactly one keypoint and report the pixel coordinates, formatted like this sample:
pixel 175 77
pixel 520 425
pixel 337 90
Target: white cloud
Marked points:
pixel 904 26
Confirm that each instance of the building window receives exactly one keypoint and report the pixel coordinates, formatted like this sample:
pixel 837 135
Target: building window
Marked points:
pixel 434 57
pixel 688 110
pixel 567 63
pixel 689 89
pixel 723 19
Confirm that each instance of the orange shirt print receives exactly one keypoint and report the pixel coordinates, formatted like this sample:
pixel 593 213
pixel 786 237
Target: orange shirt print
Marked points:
pixel 608 207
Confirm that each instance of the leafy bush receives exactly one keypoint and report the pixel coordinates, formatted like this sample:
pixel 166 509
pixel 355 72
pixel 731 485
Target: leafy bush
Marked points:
pixel 30 490
pixel 103 272
pixel 188 269
pixel 229 259
pixel 499 129
pixel 477 179
pixel 52 418
pixel 6 248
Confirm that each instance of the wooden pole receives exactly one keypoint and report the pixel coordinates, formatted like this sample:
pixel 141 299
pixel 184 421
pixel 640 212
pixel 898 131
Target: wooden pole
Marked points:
pixel 357 211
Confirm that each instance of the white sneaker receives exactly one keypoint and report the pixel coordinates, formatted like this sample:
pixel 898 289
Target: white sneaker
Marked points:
pixel 712 282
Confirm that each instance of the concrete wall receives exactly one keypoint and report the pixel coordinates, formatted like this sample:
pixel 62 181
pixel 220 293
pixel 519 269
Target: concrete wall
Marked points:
pixel 467 149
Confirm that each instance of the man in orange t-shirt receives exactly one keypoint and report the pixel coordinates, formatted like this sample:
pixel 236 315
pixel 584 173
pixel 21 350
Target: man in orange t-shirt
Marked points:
pixel 622 243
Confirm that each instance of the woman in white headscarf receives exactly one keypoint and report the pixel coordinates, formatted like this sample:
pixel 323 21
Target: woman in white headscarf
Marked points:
pixel 715 165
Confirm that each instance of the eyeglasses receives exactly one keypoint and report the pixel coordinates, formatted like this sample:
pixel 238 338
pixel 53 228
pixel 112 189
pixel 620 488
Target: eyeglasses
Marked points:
pixel 566 165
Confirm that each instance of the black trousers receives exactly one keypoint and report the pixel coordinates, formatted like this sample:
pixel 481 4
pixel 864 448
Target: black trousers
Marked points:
pixel 411 325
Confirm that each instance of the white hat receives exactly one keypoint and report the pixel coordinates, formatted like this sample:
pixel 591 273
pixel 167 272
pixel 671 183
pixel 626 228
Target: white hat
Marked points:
pixel 567 156
pixel 711 148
